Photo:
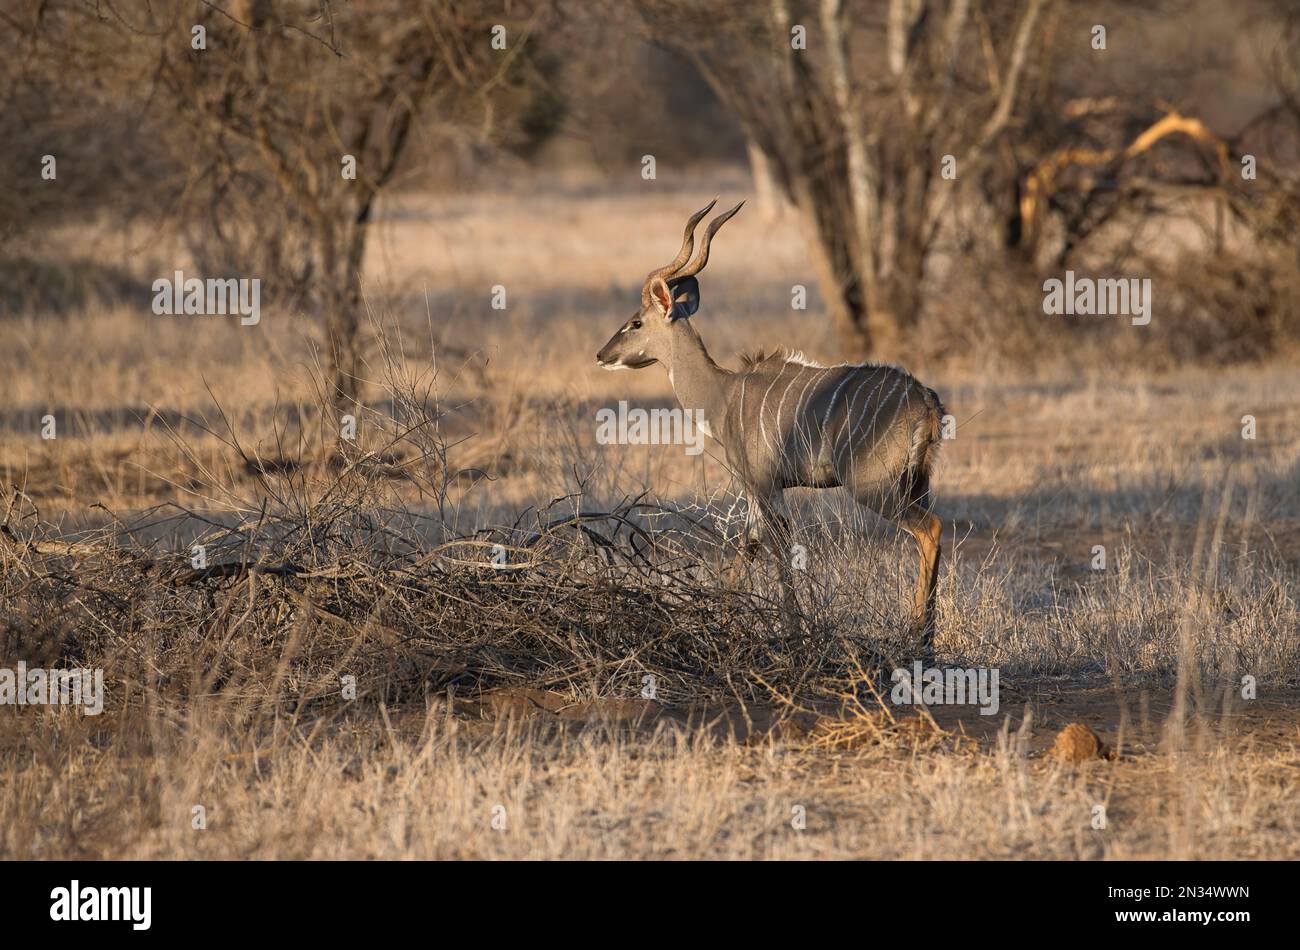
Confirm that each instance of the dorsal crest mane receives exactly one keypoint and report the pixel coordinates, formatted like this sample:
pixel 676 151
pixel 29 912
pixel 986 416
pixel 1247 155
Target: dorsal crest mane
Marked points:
pixel 779 355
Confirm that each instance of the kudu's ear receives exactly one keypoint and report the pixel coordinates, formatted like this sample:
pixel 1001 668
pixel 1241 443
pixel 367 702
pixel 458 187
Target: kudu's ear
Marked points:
pixel 686 296
pixel 680 299
pixel 661 297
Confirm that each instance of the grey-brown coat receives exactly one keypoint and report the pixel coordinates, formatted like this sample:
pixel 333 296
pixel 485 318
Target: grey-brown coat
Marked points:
pixel 785 422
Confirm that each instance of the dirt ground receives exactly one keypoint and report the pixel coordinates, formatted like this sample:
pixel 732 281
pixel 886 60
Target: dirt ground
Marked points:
pixel 1133 722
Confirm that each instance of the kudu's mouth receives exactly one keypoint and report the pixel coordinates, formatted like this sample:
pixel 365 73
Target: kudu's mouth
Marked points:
pixel 620 363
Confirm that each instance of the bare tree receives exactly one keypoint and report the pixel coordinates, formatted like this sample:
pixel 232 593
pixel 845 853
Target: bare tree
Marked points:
pixel 286 120
pixel 865 111
pixel 1101 152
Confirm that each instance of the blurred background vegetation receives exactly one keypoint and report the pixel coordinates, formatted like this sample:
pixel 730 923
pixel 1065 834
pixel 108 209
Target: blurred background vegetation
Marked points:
pixel 1171 153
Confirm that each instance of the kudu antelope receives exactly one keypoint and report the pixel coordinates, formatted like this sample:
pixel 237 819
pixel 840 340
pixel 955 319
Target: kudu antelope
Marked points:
pixel 785 422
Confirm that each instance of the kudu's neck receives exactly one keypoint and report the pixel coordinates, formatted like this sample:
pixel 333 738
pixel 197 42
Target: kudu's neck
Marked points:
pixel 700 383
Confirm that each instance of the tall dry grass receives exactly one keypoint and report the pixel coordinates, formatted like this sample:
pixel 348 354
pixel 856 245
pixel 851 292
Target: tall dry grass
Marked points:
pixel 522 686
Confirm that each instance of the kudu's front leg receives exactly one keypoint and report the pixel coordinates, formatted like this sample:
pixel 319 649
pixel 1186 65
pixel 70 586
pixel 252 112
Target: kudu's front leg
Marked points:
pixel 752 541
pixel 767 522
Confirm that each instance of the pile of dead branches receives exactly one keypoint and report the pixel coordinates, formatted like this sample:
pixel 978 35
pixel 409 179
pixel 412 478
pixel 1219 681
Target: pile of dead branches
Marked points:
pixel 633 601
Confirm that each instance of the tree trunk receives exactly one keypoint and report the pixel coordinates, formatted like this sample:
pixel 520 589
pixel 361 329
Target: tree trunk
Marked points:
pixel 342 322
pixel 766 194
pixel 342 260
pixel 892 315
pixel 837 271
pixel 896 294
pixel 875 314
pixel 340 299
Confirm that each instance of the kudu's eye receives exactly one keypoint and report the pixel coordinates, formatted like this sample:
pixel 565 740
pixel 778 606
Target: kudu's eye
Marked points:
pixel 634 325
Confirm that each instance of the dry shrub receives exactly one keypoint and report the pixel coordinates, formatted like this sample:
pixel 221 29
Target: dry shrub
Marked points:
pixel 576 606
pixel 877 730
pixel 349 564
pixel 865 722
pixel 1208 308
pixel 1231 307
pixel 989 311
pixel 31 286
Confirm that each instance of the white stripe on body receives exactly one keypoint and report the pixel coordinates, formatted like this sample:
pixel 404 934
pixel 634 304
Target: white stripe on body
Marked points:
pixel 762 427
pixel 831 405
pixel 851 441
pixel 801 405
pixel 848 422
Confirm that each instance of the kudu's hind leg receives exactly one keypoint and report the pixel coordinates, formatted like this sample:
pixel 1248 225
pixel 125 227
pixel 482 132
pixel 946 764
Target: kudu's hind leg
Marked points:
pixel 927 530
pixel 915 517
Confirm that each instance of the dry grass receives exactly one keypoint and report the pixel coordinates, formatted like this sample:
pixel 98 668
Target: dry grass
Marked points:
pixel 523 687
pixel 427 784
